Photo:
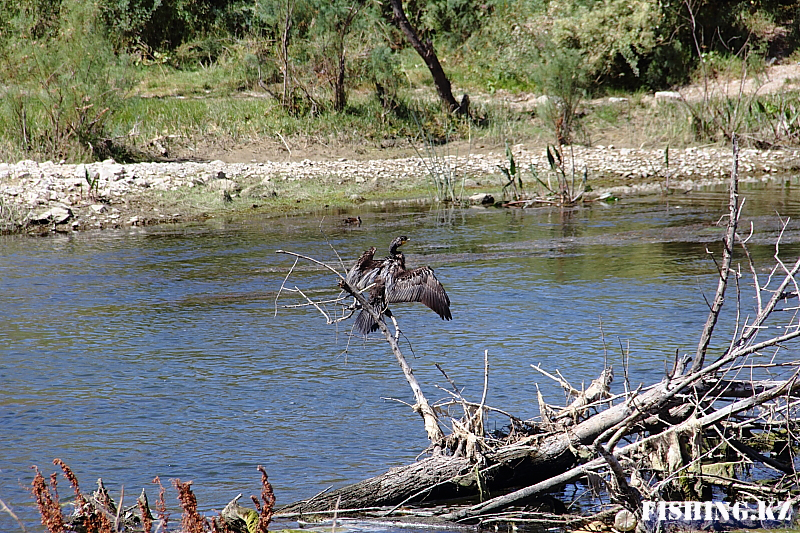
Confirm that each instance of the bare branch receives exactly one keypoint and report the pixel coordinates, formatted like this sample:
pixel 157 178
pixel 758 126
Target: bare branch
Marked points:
pixel 727 255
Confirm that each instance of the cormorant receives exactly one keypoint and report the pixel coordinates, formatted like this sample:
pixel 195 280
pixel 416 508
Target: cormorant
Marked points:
pixel 393 283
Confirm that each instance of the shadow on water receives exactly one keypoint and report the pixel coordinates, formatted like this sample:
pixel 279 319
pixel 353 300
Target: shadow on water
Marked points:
pixel 157 351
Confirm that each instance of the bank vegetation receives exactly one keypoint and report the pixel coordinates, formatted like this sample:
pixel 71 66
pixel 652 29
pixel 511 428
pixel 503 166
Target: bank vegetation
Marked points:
pixel 175 79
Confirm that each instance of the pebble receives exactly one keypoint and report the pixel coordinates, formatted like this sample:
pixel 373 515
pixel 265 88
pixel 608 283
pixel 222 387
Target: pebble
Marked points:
pixel 56 215
pixel 481 198
pixel 668 95
pixel 223 184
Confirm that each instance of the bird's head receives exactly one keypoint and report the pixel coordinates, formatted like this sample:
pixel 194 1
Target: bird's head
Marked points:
pixel 396 243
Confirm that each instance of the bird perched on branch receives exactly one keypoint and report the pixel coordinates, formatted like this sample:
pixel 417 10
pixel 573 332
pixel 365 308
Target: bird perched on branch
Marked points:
pixel 392 283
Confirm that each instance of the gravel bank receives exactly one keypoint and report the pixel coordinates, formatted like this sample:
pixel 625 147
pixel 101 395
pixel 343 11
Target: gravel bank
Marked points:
pixel 49 196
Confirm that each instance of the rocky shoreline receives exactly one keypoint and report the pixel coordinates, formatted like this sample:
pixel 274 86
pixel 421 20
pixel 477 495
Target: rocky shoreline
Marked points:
pixel 49 196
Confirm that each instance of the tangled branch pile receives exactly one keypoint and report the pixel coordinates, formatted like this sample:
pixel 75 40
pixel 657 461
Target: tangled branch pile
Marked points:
pixel 722 426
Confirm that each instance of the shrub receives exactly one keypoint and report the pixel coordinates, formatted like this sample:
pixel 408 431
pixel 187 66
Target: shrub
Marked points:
pixel 607 31
pixel 563 75
pixel 67 85
pixel 164 25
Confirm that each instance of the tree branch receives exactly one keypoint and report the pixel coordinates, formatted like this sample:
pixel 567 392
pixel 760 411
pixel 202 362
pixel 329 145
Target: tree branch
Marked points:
pixel 727 255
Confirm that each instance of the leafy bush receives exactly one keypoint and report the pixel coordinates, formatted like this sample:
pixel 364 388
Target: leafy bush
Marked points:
pixel 607 31
pixel 563 75
pixel 614 38
pixel 164 25
pixel 28 19
pixel 63 97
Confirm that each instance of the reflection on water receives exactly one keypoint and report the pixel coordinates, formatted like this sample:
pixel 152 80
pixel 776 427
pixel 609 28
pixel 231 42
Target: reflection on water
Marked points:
pixel 157 351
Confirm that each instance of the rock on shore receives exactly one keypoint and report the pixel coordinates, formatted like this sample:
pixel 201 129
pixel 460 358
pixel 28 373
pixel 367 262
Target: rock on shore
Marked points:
pixel 103 194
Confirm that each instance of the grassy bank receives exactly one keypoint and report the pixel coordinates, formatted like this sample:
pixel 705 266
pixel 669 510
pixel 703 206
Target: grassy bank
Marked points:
pixel 80 86
pixel 172 120
pixel 90 80
pixel 185 126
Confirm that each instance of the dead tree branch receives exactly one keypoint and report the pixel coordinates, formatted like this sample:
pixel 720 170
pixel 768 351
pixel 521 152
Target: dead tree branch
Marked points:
pixel 422 406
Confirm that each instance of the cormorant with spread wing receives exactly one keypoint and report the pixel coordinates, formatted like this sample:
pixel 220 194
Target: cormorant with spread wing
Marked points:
pixel 393 283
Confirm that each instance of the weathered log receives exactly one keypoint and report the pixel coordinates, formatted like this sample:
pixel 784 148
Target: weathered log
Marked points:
pixel 390 488
pixel 541 462
pixel 575 473
pixel 599 389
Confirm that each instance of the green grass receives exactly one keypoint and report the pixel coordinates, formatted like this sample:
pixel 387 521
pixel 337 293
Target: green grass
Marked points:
pixel 242 119
pixel 186 110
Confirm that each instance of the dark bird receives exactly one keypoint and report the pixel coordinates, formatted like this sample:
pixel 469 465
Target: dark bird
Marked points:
pixel 352 221
pixel 393 283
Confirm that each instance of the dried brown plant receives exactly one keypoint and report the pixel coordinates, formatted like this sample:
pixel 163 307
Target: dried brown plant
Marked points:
pixel 94 521
pixel 191 520
pixel 80 501
pixel 47 501
pixel 147 520
pixel 220 526
pixel 96 517
pixel 161 505
pixel 97 522
pixel 266 510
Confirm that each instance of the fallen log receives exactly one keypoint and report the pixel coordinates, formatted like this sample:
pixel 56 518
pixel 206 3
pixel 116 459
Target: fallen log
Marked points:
pixel 395 486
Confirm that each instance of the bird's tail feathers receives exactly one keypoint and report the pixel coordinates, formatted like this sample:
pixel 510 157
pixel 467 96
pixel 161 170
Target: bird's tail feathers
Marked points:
pixel 365 324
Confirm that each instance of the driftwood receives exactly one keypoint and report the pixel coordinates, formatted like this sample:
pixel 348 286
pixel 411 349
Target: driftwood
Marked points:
pixel 695 431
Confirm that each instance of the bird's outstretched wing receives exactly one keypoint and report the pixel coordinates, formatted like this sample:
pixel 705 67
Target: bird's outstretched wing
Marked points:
pixel 365 324
pixel 365 268
pixel 420 285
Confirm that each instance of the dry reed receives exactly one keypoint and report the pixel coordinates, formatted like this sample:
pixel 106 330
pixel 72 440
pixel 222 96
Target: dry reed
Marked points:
pixel 47 501
pixel 191 520
pixel 266 510
pixel 147 520
pixel 94 514
pixel 161 506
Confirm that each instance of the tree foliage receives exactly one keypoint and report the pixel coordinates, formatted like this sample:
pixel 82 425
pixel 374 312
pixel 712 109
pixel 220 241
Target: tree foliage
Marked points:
pixel 633 44
pixel 638 43
pixel 61 61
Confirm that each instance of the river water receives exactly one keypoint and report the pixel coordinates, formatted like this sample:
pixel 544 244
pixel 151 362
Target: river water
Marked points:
pixel 158 351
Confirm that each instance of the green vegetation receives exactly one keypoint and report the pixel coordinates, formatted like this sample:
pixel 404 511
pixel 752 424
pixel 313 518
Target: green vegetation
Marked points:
pixel 137 79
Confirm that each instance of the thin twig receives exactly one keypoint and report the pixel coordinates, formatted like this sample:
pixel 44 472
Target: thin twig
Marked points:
pixel 479 411
pixel 119 508
pixel 312 302
pixel 320 263
pixel 284 284
pixel 560 380
pixel 7 509
pixel 284 143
